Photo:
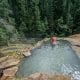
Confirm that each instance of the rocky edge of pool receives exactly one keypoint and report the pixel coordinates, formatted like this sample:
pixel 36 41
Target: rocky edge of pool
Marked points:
pixel 12 55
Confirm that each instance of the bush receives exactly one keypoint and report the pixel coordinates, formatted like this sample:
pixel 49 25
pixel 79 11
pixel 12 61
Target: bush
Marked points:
pixel 3 37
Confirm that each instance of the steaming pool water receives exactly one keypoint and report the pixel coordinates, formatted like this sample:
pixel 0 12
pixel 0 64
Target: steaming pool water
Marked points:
pixel 47 59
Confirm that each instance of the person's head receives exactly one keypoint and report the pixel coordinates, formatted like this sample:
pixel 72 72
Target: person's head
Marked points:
pixel 53 36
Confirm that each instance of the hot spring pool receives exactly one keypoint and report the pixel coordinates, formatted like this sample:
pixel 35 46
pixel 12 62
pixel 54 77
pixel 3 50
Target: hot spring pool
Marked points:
pixel 60 59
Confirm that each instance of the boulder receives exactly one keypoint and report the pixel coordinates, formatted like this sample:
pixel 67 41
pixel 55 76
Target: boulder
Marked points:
pixel 27 53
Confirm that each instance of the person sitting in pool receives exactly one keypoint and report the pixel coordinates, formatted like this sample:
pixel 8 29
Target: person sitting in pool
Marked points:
pixel 53 40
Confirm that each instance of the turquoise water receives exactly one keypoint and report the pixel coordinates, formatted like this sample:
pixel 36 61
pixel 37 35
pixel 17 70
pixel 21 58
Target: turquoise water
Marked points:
pixel 60 58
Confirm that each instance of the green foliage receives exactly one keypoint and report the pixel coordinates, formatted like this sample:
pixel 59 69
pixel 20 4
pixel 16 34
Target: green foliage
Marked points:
pixel 6 12
pixel 77 21
pixel 3 37
pixel 41 18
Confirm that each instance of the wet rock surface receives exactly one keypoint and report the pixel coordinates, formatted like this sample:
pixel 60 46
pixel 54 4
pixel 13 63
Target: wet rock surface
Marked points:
pixel 75 41
pixel 43 76
pixel 8 66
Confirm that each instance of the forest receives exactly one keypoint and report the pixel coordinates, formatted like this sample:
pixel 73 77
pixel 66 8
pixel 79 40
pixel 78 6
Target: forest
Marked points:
pixel 40 36
pixel 39 18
